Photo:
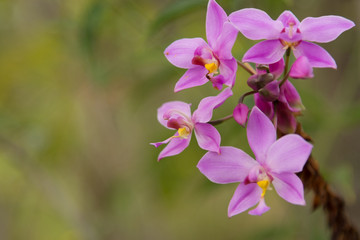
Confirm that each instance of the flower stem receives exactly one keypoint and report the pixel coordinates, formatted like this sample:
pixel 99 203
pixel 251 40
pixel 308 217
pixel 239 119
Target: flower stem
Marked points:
pixel 332 204
pixel 286 73
pixel 221 120
pixel 247 67
pixel 241 99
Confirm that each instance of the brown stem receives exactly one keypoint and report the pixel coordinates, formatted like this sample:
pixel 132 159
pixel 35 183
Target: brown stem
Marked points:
pixel 332 204
pixel 216 122
pixel 247 67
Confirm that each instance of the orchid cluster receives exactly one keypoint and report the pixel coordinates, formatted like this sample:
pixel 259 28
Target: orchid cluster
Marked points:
pixel 277 102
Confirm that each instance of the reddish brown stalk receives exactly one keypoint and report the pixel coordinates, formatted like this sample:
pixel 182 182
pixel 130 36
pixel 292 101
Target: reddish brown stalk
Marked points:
pixel 332 204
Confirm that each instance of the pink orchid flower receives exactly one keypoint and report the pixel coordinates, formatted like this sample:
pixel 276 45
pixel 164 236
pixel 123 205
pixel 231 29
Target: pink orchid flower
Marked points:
pixel 206 62
pixel 287 32
pixel 177 115
pixel 276 163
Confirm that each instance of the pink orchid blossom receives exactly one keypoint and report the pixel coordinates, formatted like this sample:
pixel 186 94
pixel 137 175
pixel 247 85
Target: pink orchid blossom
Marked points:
pixel 276 163
pixel 177 115
pixel 287 32
pixel 210 61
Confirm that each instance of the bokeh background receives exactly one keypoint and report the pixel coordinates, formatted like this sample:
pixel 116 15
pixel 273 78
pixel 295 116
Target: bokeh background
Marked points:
pixel 80 82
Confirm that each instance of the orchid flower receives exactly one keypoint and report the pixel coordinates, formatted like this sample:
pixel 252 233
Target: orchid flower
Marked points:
pixel 287 32
pixel 210 61
pixel 276 163
pixel 177 115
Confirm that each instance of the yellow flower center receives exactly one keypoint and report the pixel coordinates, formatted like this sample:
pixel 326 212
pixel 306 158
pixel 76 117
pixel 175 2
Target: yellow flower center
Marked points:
pixel 211 67
pixel 291 45
pixel 183 132
pixel 264 184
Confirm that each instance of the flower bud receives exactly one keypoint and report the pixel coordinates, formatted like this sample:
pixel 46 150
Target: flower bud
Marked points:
pixel 240 114
pixel 270 92
pixel 257 82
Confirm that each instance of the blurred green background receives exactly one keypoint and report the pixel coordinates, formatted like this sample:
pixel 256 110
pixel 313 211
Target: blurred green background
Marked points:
pixel 80 82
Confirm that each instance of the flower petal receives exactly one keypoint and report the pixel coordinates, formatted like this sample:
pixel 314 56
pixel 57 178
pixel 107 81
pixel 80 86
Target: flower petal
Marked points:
pixel 265 52
pixel 206 106
pixel 277 68
pixel 288 18
pixel 181 52
pixel 288 154
pixel 317 56
pixel 207 137
pixel 245 197
pixel 260 209
pixel 290 97
pixel 324 29
pixel 157 144
pixel 301 68
pixel 176 107
pixel 228 70
pixel 192 78
pixel 261 133
pixel 176 146
pixel 225 42
pixel 255 24
pixel 231 165
pixel 289 187
pixel 215 18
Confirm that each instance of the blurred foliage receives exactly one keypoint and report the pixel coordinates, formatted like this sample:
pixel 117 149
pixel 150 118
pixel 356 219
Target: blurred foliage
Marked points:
pixel 80 85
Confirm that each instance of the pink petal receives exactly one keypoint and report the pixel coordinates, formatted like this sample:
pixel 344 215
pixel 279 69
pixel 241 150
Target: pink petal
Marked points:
pixel 206 106
pixel 192 78
pixel 265 52
pixel 228 70
pixel 240 114
pixel 301 68
pixel 232 165
pixel 175 107
pixel 324 29
pixel 245 197
pixel 291 97
pixel 255 24
pixel 287 18
pixel 215 18
pixel 277 68
pixel 157 144
pixel 289 187
pixel 176 146
pixel 264 106
pixel 261 133
pixel 181 52
pixel 317 56
pixel 225 42
pixel 207 137
pixel 288 154
pixel 260 209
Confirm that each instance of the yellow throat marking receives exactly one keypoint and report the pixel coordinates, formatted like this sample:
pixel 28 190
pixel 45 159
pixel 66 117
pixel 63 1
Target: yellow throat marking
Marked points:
pixel 211 67
pixel 264 184
pixel 183 132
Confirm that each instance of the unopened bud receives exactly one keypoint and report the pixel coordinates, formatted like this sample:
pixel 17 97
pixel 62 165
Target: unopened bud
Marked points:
pixel 240 114
pixel 257 82
pixel 270 92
